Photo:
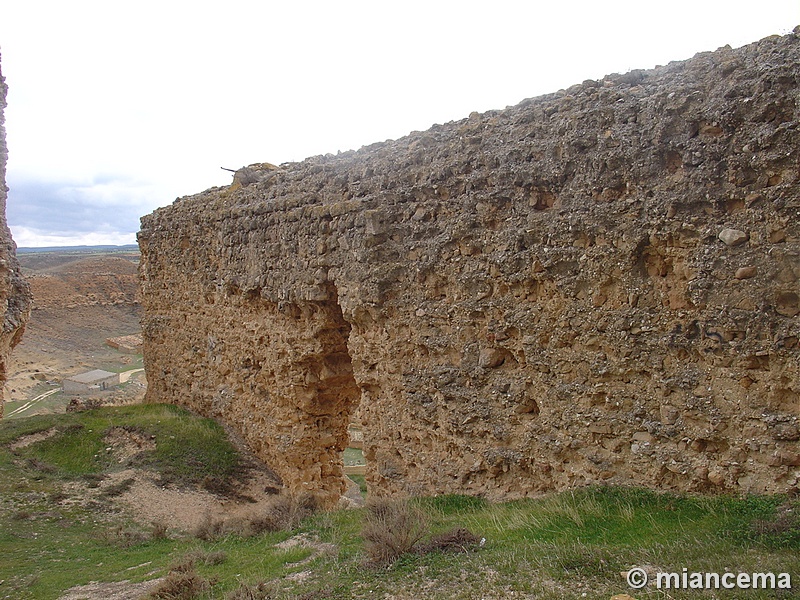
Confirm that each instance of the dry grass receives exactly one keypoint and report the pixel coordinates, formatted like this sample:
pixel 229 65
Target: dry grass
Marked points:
pixel 253 591
pixel 159 530
pixel 183 582
pixel 117 489
pixel 392 527
pixel 284 513
pixel 181 585
pixel 123 537
pixel 458 539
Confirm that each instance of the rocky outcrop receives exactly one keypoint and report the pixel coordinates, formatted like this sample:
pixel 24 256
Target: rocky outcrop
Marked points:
pixel 15 295
pixel 597 285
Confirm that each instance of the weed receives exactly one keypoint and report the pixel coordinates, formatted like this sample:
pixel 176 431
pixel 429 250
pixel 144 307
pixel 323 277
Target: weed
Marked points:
pixel 199 557
pixel 568 545
pixel 254 591
pixel 123 537
pixel 209 528
pixel 392 527
pixel 782 529
pixel 185 584
pixel 158 530
pixel 284 513
pixel 454 540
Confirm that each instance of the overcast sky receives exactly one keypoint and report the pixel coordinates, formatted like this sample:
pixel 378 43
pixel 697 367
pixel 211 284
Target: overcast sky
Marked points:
pixel 118 108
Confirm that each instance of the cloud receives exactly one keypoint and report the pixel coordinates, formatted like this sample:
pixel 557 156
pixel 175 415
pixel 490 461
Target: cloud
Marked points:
pixel 102 210
pixel 25 237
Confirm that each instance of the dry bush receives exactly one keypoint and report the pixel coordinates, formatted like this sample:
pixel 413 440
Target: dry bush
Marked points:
pixel 209 529
pixel 158 530
pixel 123 537
pixel 253 591
pixel 188 561
pixel 185 584
pixel 184 564
pixel 282 514
pixel 392 527
pixel 458 539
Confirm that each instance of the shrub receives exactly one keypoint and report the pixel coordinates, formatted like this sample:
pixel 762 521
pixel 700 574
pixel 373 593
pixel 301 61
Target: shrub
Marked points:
pixel 209 528
pixel 158 530
pixel 123 537
pixel 282 514
pixel 184 584
pixel 392 527
pixel 253 591
pixel 782 529
pixel 458 539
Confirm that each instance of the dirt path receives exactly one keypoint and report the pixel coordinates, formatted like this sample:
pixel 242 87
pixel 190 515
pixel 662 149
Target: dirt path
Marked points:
pixel 126 375
pixel 119 590
pixel 32 403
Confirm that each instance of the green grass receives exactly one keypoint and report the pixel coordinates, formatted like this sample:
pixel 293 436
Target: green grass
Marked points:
pixel 362 483
pixel 188 449
pixel 558 546
pixel 353 457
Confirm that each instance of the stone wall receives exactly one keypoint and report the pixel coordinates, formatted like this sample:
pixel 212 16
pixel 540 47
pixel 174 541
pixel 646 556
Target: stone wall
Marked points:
pixel 15 295
pixel 597 285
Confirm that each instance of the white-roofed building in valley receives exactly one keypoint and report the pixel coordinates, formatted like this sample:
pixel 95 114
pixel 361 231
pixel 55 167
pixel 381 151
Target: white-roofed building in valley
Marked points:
pixel 90 382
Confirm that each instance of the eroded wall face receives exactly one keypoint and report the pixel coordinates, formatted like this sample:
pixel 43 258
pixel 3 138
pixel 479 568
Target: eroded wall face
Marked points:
pixel 278 372
pixel 15 295
pixel 600 285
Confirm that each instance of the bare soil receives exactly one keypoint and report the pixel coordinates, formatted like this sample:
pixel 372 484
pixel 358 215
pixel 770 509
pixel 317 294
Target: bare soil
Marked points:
pixel 148 501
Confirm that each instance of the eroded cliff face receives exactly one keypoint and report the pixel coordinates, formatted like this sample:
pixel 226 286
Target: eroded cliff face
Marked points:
pixel 15 295
pixel 598 285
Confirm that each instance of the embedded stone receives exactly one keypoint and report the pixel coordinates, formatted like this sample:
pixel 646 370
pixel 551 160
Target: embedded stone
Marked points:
pixel 733 237
pixel 491 358
pixel 746 272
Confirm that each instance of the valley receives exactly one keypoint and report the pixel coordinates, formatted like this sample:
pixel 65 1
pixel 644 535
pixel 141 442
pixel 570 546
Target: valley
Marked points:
pixel 81 298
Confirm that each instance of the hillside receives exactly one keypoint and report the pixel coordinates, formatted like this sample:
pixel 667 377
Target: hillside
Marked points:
pixel 63 281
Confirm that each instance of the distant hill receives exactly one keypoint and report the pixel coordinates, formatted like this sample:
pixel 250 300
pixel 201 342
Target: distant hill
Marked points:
pixel 80 249
pixel 70 279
